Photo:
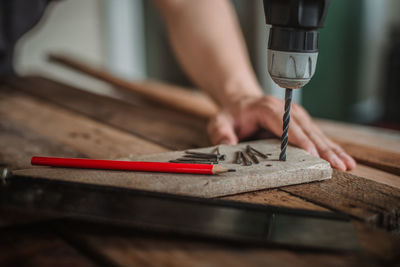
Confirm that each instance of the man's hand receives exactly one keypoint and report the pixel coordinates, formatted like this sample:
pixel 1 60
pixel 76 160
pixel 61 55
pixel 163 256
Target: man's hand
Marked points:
pixel 248 115
pixel 209 45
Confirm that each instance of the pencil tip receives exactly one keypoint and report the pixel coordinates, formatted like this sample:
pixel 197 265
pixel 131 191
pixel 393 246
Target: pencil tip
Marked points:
pixel 231 170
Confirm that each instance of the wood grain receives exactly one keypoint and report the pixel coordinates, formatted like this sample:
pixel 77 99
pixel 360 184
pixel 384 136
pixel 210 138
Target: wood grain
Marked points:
pixel 275 197
pixel 126 112
pixel 377 175
pixel 129 250
pixel 172 96
pixel 340 203
pixel 374 157
pixel 368 136
pixel 378 242
pixel 116 252
pixel 86 136
pixel 178 131
pixel 36 247
pixel 18 144
pixel 371 146
pixel 376 204
pixel 61 118
pixel 363 143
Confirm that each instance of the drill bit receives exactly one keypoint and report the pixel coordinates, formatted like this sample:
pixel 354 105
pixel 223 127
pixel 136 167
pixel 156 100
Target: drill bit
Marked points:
pixel 286 120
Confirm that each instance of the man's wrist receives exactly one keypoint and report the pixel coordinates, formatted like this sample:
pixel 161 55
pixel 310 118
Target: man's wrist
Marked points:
pixel 235 90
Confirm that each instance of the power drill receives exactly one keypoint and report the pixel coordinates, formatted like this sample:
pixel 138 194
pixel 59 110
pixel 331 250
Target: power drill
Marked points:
pixel 293 47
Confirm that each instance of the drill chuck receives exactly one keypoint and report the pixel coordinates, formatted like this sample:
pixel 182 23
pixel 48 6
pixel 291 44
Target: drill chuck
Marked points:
pixel 293 39
pixel 291 69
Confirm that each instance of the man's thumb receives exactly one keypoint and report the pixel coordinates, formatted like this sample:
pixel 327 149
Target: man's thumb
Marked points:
pixel 221 130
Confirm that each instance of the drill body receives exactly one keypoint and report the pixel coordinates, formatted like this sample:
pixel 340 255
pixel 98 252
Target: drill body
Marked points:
pixel 293 47
pixel 293 39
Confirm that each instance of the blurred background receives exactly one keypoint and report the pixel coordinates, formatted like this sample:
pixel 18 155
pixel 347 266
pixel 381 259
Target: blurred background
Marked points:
pixel 357 77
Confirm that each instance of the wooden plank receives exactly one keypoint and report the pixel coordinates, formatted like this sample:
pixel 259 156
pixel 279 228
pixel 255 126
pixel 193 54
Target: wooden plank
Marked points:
pixel 374 157
pixel 44 109
pixel 178 131
pixel 275 197
pixel 119 250
pixel 18 144
pixel 84 135
pixel 300 167
pixel 24 106
pixel 376 204
pixel 87 104
pixel 378 242
pixel 358 209
pixel 377 175
pixel 371 146
pixel 129 113
pixel 357 147
pixel 368 136
pixel 30 127
pixel 35 247
pixel 132 250
pixel 207 257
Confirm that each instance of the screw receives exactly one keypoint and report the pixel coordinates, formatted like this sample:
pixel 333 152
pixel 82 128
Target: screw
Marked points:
pixel 238 158
pixel 246 161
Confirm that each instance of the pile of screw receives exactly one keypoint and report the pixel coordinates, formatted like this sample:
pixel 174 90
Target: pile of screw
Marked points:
pixel 200 157
pixel 249 156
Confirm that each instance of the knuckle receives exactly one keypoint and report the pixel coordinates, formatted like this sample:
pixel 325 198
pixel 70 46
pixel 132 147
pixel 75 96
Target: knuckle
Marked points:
pixel 326 152
pixel 309 145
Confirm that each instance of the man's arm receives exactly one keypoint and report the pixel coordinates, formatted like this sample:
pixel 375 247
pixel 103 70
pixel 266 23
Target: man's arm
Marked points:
pixel 209 44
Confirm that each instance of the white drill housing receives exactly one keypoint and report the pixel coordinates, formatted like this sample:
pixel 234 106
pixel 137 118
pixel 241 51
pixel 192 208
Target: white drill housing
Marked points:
pixel 290 69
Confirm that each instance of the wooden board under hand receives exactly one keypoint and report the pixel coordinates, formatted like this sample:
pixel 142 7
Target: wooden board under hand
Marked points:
pixel 301 167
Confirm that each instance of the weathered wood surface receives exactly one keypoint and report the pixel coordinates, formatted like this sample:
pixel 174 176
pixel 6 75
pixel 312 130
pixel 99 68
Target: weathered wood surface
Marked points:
pixel 275 197
pixel 381 247
pixel 89 137
pixel 55 136
pixel 169 252
pixel 179 131
pixel 372 146
pixel 375 147
pixel 377 204
pixel 18 144
pixel 357 195
pixel 21 246
pixel 152 122
pixel 376 175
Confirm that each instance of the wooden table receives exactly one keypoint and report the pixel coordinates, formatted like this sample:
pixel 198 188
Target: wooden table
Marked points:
pixel 39 116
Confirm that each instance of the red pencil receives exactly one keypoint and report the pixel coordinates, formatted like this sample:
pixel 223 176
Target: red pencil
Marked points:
pixel 129 165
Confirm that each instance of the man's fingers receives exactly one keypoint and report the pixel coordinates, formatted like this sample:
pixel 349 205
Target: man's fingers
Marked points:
pixel 326 151
pixel 347 159
pixel 296 135
pixel 298 138
pixel 326 148
pixel 221 130
pixel 334 160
